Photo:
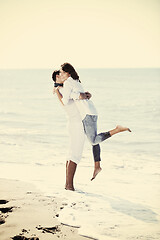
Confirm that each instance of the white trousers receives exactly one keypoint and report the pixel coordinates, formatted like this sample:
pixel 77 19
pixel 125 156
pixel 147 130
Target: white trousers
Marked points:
pixel 76 140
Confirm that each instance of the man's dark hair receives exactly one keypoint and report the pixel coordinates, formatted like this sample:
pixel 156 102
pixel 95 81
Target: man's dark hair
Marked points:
pixel 54 74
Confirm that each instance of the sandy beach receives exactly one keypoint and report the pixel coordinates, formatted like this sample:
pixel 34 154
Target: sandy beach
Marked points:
pixel 26 214
pixel 123 202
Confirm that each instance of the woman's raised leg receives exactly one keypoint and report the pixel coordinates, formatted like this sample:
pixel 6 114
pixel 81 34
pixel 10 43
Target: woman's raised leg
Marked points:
pixel 118 129
pixel 97 169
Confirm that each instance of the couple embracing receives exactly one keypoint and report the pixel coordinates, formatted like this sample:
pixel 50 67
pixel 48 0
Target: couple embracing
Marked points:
pixel 82 120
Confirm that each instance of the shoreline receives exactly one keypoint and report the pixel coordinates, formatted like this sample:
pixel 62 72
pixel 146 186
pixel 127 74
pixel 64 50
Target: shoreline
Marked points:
pixel 25 213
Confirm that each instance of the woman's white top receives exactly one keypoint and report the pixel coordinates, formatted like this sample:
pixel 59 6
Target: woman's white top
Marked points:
pixel 71 90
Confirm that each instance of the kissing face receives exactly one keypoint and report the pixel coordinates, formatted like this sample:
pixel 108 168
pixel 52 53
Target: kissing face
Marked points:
pixel 59 79
pixel 64 75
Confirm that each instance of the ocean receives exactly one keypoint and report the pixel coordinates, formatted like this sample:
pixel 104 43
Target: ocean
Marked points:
pixel 123 202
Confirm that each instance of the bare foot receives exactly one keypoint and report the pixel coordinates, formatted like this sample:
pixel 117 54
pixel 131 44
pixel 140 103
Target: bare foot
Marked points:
pixel 70 188
pixel 122 129
pixel 96 171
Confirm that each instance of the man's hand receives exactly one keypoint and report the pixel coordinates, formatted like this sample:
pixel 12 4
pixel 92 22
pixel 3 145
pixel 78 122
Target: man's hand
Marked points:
pixel 88 95
pixel 55 89
pixel 85 95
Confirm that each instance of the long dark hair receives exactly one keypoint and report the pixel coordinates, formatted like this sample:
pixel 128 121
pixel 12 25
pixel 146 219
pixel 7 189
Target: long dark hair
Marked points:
pixel 67 67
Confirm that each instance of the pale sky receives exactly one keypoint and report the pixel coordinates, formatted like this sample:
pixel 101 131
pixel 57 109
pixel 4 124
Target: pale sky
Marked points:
pixel 86 33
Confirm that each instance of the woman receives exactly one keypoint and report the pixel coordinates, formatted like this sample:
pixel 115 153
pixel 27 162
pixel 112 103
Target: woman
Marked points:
pixel 76 133
pixel 72 89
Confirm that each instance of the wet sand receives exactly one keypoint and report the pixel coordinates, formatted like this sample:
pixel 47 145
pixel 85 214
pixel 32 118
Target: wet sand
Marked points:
pixel 26 214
